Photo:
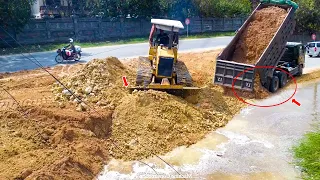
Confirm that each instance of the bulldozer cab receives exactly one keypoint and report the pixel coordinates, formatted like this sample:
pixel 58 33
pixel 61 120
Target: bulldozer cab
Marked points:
pixel 164 38
pixel 165 30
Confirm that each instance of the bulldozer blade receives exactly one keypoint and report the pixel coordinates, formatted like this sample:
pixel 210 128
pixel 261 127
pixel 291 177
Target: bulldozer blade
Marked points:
pixel 170 89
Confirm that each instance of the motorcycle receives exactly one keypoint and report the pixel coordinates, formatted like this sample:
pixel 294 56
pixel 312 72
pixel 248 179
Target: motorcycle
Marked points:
pixel 68 55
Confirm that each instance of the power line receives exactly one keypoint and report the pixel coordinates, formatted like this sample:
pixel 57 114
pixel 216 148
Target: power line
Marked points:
pixel 39 65
pixel 62 84
pixel 163 161
pixel 14 99
pixel 137 160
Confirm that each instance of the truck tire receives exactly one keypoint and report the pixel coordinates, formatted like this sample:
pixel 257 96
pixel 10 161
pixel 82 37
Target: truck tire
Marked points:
pixel 300 72
pixel 283 79
pixel 274 84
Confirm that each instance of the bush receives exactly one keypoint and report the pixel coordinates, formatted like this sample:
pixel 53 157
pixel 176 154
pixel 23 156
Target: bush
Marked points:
pixel 308 155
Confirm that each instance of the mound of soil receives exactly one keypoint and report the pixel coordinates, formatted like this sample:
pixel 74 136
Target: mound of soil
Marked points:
pixel 51 143
pixel 152 122
pixel 99 82
pixel 258 34
pixel 149 122
pixel 58 142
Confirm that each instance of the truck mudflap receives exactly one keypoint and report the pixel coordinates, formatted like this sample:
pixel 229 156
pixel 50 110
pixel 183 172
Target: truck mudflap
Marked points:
pixel 227 71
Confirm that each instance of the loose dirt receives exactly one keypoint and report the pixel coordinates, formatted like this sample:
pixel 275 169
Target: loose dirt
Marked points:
pixel 98 82
pixel 258 34
pixel 44 141
pixel 57 140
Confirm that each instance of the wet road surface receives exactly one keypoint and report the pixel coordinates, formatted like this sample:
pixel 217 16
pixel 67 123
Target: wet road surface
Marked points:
pixel 256 144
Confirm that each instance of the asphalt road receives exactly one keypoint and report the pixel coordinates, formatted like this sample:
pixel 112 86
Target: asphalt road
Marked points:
pixel 19 62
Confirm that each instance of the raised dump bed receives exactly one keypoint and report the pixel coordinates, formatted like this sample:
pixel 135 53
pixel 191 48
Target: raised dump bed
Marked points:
pixel 239 56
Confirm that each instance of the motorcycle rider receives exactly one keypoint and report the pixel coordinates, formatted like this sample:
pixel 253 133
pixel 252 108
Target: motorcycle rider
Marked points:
pixel 71 47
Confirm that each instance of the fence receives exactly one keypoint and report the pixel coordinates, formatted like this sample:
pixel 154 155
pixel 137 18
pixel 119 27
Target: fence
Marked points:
pixel 95 29
pixel 302 37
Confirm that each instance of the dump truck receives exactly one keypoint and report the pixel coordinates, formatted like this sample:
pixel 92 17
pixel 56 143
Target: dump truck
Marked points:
pixel 242 76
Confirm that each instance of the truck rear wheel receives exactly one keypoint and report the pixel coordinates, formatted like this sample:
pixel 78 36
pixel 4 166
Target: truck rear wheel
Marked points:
pixel 274 84
pixel 283 79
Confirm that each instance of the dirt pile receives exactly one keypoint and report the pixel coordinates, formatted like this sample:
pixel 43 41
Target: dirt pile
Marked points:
pixel 98 82
pixel 152 122
pixel 62 143
pixel 52 143
pixel 201 66
pixel 156 122
pixel 258 34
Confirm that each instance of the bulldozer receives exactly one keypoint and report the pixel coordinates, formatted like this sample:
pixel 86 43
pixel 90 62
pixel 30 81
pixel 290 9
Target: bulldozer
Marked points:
pixel 161 70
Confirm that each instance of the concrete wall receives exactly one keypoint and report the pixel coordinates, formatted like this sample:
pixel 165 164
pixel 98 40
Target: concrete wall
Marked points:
pixel 95 29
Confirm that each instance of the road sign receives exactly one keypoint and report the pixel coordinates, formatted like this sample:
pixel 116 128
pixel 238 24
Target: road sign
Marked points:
pixel 314 37
pixel 187 21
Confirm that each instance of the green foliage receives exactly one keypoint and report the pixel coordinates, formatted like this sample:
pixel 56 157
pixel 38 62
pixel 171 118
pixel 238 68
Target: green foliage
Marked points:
pixel 181 8
pixel 308 155
pixel 223 8
pixel 15 14
pixel 164 8
pixel 308 16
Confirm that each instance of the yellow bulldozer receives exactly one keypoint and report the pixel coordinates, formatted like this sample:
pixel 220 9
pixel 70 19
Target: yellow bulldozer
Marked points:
pixel 161 70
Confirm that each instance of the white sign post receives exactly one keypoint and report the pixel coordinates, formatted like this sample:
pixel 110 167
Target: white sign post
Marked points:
pixel 187 21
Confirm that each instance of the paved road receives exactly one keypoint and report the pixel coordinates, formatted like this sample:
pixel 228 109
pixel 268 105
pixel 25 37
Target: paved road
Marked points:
pixel 19 62
pixel 255 145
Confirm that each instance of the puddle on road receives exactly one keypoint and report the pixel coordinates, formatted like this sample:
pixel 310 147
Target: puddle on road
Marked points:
pixel 254 145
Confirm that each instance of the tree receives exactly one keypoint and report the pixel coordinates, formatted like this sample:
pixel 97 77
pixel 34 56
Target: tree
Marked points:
pixel 183 8
pixel 14 14
pixel 307 16
pixel 224 8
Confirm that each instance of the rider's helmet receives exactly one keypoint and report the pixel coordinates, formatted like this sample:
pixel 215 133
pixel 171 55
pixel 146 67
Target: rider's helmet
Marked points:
pixel 70 40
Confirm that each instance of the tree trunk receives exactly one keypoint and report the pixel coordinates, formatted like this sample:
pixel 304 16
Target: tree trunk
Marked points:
pixel 254 4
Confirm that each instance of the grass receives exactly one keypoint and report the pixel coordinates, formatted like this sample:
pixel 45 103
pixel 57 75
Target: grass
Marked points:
pixel 308 155
pixel 55 46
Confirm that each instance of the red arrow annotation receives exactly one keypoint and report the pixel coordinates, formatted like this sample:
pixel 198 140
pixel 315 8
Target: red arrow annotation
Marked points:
pixel 125 83
pixel 296 102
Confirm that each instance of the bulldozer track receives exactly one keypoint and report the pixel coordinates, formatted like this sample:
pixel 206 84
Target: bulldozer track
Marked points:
pixel 182 72
pixel 144 72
